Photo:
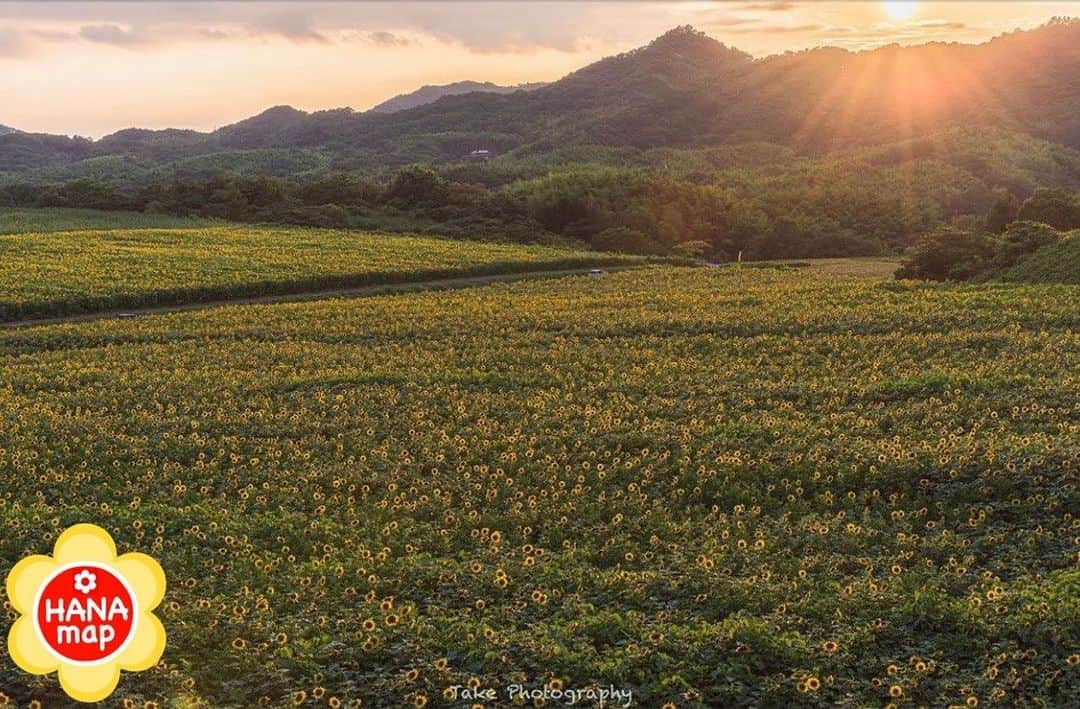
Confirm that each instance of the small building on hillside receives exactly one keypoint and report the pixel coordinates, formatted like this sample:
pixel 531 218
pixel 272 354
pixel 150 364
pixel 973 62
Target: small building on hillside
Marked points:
pixel 481 154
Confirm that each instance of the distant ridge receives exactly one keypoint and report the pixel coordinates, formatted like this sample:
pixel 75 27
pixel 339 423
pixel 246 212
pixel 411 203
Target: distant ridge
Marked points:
pixel 430 94
pixel 683 90
pixel 4 130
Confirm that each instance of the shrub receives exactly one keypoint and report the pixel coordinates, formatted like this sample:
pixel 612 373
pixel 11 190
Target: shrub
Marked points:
pixel 949 255
pixel 416 185
pixel 1058 208
pixel 1020 239
pixel 1058 262
pixel 626 240
pixel 691 249
pixel 1003 212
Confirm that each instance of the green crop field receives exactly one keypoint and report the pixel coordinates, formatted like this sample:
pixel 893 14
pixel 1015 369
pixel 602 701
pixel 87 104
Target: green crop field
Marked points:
pixel 787 486
pixel 47 272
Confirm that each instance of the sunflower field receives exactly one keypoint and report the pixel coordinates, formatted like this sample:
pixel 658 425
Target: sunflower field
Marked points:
pixel 709 487
pixel 25 220
pixel 53 273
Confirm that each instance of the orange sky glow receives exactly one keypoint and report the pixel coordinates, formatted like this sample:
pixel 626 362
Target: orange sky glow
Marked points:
pixel 94 68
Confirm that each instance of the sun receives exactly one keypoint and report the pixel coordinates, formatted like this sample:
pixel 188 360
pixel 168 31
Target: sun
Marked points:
pixel 900 9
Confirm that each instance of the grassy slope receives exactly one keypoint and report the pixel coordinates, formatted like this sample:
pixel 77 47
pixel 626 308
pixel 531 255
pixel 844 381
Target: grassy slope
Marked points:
pixel 710 483
pixel 53 273
pixel 1057 263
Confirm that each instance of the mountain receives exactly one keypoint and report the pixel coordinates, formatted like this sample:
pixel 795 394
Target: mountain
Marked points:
pixel 683 90
pixel 6 129
pixel 430 94
pixel 272 126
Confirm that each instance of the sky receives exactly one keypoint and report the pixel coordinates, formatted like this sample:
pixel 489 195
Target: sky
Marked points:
pixel 92 68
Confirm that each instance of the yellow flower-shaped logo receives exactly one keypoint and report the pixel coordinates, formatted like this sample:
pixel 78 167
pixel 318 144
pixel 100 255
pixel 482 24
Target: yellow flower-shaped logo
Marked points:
pixel 86 613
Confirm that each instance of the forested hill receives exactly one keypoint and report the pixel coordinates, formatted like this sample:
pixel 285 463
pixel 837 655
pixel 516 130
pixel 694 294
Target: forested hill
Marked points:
pixel 430 94
pixel 682 90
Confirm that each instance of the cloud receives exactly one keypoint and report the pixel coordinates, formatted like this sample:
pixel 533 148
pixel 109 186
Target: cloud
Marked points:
pixel 941 25
pixel 778 6
pixel 886 33
pixel 52 35
pixel 493 27
pixel 779 29
pixel 388 39
pixel 918 30
pixel 214 34
pixel 115 35
pixel 13 44
pixel 480 26
pixel 293 26
pixel 724 21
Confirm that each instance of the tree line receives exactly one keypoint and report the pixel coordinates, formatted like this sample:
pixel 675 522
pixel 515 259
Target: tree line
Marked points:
pixel 626 209
pixel 973 249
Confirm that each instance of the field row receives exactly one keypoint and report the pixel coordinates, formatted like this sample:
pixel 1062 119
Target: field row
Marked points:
pixel 47 274
pixel 713 487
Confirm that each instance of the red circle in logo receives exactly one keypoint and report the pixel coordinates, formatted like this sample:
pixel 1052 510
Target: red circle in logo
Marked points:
pixel 85 613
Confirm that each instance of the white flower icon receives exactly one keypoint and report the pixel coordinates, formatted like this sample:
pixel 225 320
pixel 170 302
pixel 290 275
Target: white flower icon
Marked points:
pixel 85 581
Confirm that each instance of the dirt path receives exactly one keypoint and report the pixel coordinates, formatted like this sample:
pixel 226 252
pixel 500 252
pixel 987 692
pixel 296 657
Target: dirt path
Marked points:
pixel 407 287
